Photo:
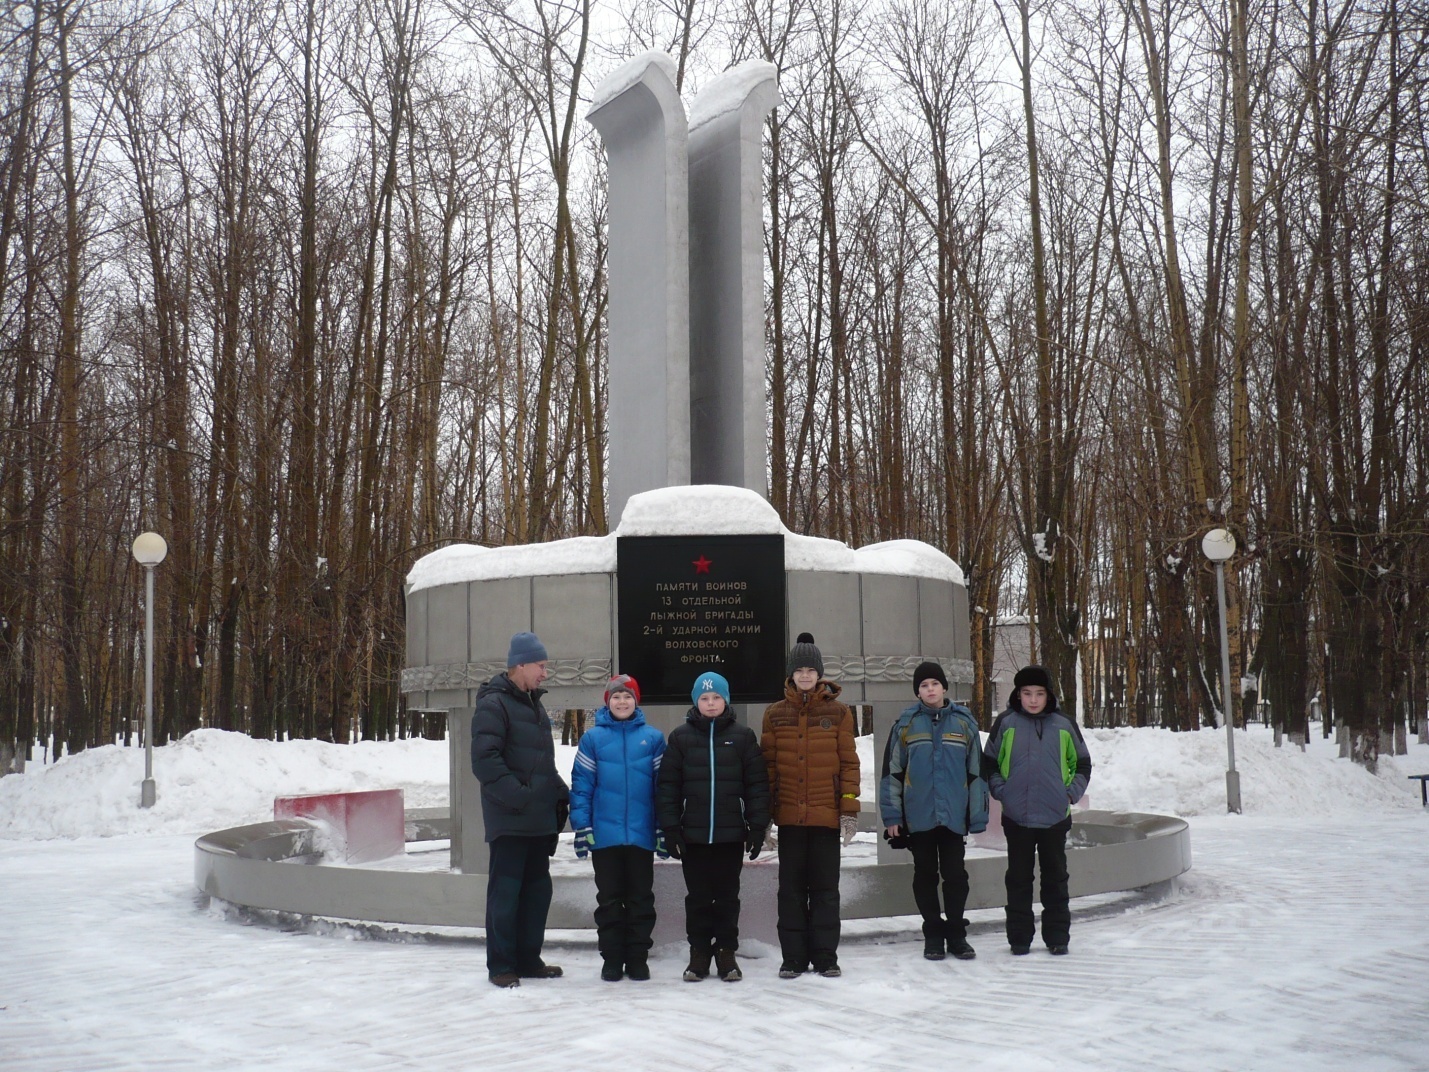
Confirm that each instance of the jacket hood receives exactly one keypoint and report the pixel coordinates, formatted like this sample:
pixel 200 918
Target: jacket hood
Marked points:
pixel 603 717
pixel 502 683
pixel 823 692
pixel 694 718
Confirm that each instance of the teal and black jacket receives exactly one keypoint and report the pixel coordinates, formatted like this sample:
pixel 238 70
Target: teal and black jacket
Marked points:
pixel 1038 766
pixel 713 784
pixel 932 772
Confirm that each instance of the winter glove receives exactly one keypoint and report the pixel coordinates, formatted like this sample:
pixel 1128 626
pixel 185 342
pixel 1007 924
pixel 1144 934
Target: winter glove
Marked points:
pixel 754 842
pixel 897 841
pixel 563 812
pixel 675 843
pixel 848 827
pixel 585 841
pixel 553 845
pixel 660 849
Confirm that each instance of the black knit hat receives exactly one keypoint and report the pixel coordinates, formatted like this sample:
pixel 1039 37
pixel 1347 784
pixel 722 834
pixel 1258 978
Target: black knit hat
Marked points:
pixel 926 670
pixel 1033 675
pixel 1036 676
pixel 804 653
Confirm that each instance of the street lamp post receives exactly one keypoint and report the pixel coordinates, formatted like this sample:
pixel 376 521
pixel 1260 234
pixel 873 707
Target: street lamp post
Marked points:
pixel 149 551
pixel 1218 545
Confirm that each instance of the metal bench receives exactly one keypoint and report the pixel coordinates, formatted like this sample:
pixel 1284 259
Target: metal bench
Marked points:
pixel 1423 780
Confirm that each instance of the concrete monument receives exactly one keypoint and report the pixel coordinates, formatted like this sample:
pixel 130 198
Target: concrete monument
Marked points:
pixel 640 117
pixel 687 459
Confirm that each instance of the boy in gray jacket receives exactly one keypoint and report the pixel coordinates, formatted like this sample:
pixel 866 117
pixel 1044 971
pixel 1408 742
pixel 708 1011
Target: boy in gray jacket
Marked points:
pixel 1037 765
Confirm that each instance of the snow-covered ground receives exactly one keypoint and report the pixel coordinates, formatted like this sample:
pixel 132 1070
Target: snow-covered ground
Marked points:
pixel 1297 940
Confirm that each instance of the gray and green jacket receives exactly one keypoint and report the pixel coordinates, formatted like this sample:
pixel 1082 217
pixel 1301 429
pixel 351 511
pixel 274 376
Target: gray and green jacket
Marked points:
pixel 1036 765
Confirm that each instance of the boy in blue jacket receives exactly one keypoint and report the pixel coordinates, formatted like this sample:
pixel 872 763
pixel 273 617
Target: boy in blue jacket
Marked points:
pixel 931 796
pixel 613 813
pixel 1038 768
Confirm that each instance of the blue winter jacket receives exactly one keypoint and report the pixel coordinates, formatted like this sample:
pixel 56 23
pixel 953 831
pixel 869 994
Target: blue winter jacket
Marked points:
pixel 932 772
pixel 613 780
pixel 1038 765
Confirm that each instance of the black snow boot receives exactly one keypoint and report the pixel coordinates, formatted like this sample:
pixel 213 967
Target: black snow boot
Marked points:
pixel 958 942
pixel 611 971
pixel 637 968
pixel 933 939
pixel 728 968
pixel 699 967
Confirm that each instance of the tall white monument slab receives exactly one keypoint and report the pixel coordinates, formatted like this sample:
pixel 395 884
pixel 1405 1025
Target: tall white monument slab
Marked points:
pixel 726 168
pixel 642 122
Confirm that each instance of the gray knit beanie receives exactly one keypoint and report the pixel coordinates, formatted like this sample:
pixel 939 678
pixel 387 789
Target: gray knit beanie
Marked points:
pixel 804 653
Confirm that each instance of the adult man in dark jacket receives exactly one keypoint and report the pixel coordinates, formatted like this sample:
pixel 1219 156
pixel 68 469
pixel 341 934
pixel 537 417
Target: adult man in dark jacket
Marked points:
pixel 524 804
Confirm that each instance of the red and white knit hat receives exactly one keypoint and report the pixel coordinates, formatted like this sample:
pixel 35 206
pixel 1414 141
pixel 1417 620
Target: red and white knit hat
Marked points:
pixel 622 683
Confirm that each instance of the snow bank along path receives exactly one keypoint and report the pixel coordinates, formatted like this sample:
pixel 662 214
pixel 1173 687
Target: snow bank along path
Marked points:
pixel 1296 942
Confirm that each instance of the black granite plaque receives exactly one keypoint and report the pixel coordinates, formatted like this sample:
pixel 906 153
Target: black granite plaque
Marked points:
pixel 693 603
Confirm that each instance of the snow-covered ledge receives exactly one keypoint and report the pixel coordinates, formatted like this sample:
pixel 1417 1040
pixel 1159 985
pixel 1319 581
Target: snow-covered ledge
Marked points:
pixel 876 611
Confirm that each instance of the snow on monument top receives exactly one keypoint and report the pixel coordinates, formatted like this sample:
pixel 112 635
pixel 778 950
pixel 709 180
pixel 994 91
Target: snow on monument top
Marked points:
pixel 728 92
pixel 626 75
pixel 698 510
pixel 693 510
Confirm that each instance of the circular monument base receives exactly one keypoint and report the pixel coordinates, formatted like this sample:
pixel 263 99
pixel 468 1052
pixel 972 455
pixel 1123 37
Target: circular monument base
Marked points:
pixel 276 867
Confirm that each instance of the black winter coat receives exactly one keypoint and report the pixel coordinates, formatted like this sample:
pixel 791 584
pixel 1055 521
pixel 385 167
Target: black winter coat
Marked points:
pixel 713 783
pixel 514 758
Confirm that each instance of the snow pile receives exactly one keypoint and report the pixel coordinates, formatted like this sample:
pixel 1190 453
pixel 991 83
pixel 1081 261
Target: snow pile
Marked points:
pixel 627 74
pixel 211 780
pixel 698 510
pixel 208 780
pixel 1155 770
pixel 470 562
pixel 728 92
pixel 691 510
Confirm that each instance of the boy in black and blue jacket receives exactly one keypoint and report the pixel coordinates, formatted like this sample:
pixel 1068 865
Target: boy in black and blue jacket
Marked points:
pixel 931 796
pixel 713 807
pixel 1038 767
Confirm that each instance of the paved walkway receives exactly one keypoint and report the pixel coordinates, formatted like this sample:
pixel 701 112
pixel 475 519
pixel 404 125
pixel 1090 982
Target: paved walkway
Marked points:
pixel 1290 945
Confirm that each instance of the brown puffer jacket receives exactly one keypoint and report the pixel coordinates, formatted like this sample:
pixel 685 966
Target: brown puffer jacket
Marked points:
pixel 809 748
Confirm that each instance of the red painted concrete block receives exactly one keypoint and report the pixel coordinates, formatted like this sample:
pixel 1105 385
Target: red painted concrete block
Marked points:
pixel 363 826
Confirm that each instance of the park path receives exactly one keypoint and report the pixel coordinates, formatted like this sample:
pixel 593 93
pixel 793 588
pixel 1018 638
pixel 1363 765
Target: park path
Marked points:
pixel 1291 944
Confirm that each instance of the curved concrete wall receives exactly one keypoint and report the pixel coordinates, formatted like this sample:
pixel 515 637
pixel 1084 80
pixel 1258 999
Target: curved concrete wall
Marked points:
pixel 872 628
pixel 270 866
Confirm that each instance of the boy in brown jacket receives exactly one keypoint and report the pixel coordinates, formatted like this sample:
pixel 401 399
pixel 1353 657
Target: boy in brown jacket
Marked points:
pixel 808 744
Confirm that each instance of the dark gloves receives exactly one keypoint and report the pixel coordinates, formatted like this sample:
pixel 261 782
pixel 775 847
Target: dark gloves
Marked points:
pixel 553 844
pixel 900 841
pixel 563 812
pixel 754 842
pixel 675 843
pixel 661 850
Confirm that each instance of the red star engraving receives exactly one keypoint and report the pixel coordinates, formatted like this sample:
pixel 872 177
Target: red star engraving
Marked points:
pixel 702 564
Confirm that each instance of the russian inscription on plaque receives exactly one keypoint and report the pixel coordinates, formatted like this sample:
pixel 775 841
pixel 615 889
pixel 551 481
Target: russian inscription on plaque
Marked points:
pixel 692 603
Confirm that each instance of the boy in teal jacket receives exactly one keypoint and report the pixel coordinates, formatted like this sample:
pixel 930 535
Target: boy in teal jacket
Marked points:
pixel 931 796
pixel 1038 767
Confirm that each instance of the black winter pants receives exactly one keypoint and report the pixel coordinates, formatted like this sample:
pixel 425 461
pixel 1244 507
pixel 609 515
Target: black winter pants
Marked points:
pixel 809 896
pixel 624 902
pixel 1049 846
pixel 518 896
pixel 939 854
pixel 712 894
